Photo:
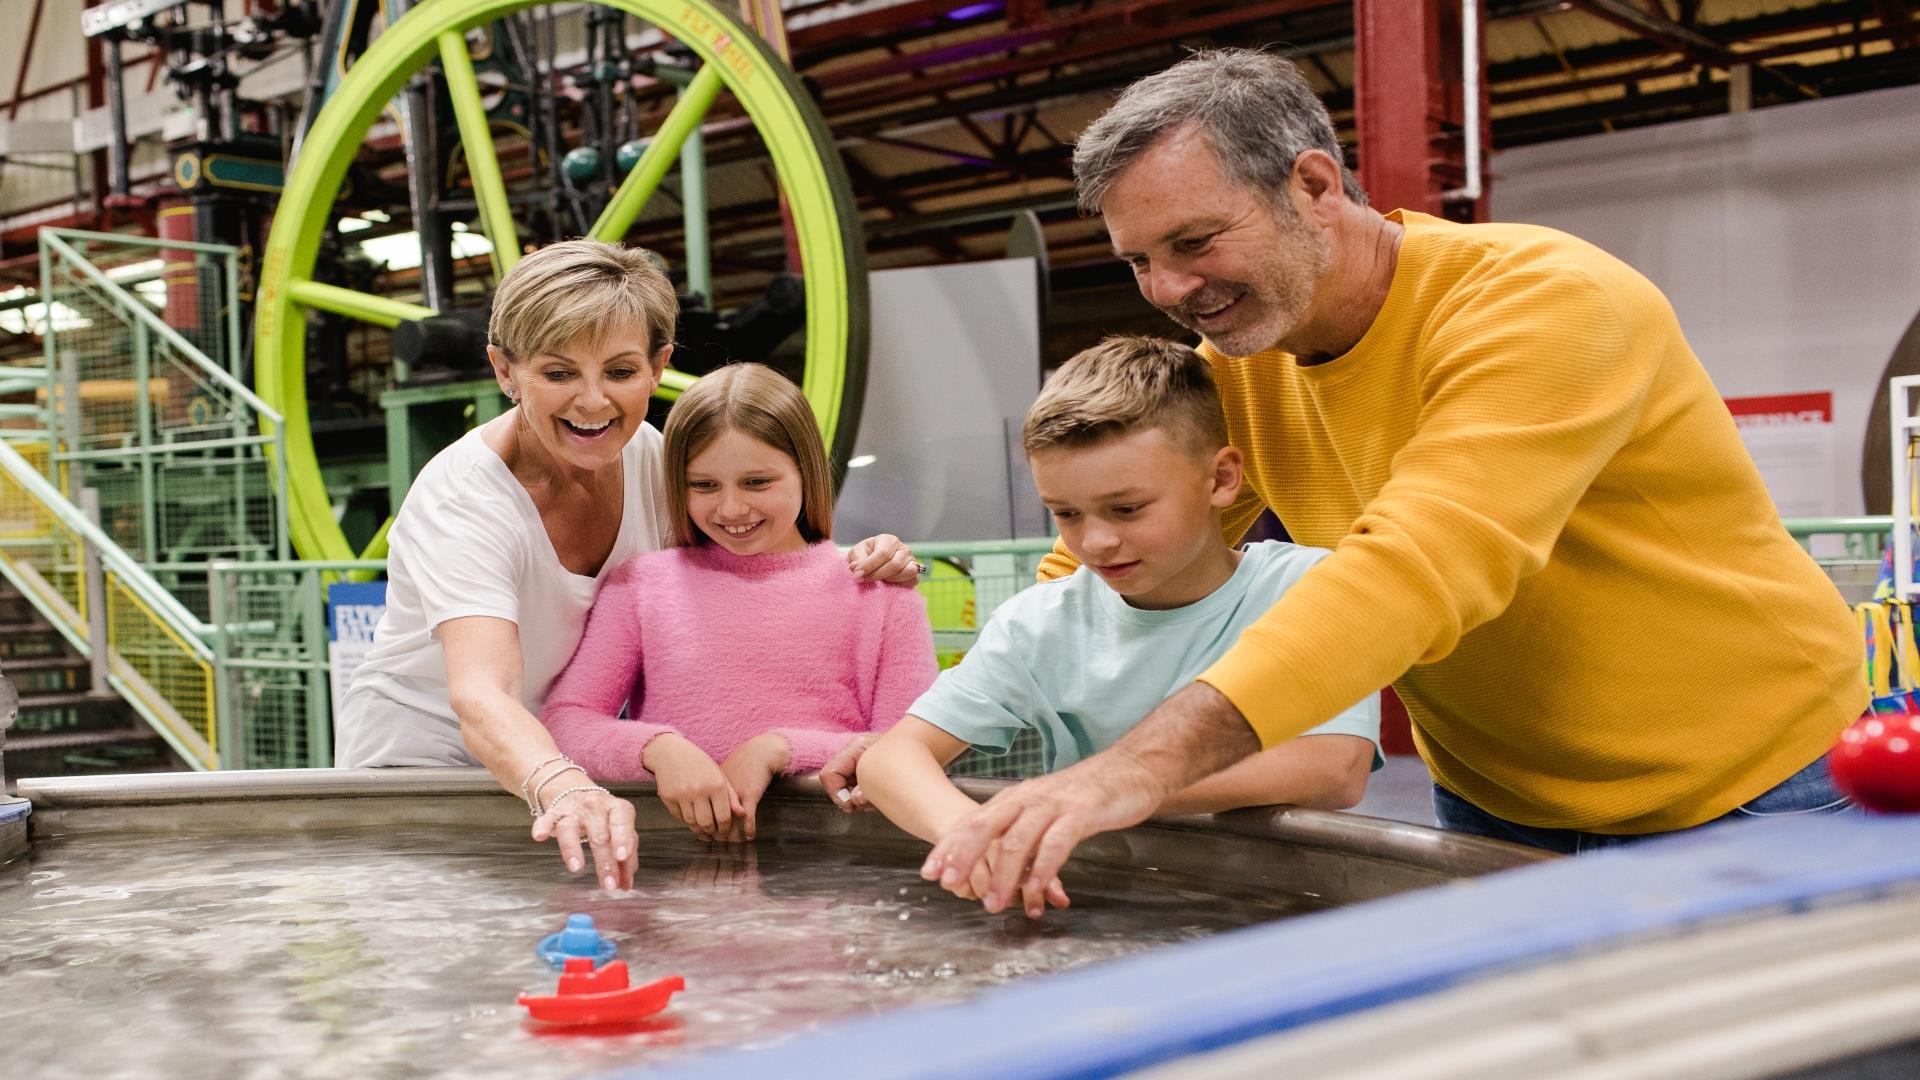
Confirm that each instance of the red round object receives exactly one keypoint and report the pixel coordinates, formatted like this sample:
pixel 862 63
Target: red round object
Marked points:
pixel 1877 762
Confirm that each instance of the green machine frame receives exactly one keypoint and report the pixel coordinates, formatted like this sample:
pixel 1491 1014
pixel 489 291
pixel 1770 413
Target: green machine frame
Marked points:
pixel 733 57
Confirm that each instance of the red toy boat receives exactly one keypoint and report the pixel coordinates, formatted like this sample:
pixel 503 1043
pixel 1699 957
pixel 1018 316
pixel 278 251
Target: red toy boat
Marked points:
pixel 587 996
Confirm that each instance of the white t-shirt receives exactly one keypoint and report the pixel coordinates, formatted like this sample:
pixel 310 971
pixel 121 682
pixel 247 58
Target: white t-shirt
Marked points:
pixel 469 541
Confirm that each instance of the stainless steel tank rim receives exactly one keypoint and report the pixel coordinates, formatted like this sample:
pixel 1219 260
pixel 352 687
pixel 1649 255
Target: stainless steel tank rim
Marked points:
pixel 1451 854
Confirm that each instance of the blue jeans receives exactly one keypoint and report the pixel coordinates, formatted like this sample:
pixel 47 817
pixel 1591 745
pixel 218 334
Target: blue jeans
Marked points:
pixel 1809 791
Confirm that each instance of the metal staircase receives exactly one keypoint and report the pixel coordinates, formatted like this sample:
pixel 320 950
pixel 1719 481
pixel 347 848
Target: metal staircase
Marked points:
pixel 131 461
pixel 66 725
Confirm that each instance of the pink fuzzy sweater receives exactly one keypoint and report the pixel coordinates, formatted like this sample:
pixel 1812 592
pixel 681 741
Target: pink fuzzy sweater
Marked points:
pixel 719 648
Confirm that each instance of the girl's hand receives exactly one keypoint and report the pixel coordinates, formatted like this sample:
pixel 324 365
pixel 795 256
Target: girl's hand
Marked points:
pixel 840 775
pixel 736 868
pixel 606 821
pixel 883 558
pixel 693 788
pixel 750 769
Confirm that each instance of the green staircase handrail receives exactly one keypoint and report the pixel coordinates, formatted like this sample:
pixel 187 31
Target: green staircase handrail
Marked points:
pixel 1817 526
pixel 135 577
pixel 154 323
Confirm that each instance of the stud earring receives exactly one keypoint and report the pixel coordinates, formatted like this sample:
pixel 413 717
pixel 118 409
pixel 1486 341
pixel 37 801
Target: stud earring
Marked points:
pixel 512 394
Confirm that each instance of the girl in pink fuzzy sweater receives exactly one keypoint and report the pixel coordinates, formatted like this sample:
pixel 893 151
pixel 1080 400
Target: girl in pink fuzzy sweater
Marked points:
pixel 747 650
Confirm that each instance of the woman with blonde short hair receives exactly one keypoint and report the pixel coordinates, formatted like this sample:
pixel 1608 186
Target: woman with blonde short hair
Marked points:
pixel 506 536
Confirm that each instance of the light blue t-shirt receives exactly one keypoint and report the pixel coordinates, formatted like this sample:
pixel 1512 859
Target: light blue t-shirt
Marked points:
pixel 1072 660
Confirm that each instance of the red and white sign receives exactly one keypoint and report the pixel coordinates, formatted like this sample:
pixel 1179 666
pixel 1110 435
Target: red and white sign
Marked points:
pixel 1782 410
pixel 1791 438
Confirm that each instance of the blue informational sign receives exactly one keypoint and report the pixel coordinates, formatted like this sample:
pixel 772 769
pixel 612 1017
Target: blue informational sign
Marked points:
pixel 354 609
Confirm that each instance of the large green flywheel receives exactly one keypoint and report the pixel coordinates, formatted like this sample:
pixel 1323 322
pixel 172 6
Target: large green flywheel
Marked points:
pixel 733 58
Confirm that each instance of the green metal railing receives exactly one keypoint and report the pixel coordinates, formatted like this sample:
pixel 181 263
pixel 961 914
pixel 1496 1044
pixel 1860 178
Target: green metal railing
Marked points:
pixel 273 668
pixel 274 675
pixel 1849 549
pixel 216 637
pixel 137 415
pixel 967 580
pixel 185 456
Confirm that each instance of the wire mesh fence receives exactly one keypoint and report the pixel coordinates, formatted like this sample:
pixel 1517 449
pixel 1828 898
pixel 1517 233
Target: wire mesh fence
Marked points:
pixel 172 673
pixel 141 345
pixel 964 584
pixel 1850 550
pixel 274 662
pixel 37 546
pixel 275 679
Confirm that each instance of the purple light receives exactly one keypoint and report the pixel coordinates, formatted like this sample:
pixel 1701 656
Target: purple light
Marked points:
pixel 968 11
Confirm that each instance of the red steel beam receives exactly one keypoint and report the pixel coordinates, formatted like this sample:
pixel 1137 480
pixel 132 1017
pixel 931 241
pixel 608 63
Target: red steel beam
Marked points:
pixel 1407 88
pixel 1408 104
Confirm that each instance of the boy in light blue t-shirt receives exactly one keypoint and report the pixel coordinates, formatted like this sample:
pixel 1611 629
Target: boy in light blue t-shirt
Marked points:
pixel 1129 452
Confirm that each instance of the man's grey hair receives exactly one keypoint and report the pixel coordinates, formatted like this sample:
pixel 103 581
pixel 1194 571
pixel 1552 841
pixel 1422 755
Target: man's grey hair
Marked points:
pixel 1255 110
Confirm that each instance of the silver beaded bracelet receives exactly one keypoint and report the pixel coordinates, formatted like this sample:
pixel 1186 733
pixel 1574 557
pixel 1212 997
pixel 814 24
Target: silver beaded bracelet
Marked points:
pixel 556 774
pixel 533 804
pixel 573 791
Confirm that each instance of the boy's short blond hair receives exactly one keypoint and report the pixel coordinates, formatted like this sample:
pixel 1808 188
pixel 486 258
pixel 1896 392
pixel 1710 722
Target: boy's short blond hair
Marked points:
pixel 1123 385
pixel 763 405
pixel 580 290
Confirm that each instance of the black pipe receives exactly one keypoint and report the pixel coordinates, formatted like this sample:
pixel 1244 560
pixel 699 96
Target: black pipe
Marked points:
pixel 118 152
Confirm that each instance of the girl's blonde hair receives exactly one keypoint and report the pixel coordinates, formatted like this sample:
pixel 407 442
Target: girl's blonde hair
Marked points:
pixel 762 404
pixel 580 290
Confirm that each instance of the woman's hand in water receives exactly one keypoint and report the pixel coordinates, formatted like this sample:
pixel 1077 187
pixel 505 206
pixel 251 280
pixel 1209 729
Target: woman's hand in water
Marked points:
pixel 883 558
pixel 841 778
pixel 693 788
pixel 605 822
pixel 750 769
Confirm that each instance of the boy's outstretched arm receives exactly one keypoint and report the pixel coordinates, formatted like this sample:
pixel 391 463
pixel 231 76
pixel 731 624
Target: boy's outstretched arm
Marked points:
pixel 1321 772
pixel 905 775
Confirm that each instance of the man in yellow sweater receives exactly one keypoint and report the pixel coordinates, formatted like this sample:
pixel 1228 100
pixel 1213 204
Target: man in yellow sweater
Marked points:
pixel 1546 533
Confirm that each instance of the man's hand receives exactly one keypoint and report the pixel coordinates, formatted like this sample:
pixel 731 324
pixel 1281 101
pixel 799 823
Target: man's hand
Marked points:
pixel 840 775
pixel 749 770
pixel 1037 824
pixel 1030 830
pixel 696 792
pixel 976 887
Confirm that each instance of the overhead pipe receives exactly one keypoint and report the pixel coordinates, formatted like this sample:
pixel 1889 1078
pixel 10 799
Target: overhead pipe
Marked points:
pixel 1470 77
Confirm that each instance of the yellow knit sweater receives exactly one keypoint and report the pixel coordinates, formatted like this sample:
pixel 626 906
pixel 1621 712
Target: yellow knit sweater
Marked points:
pixel 1547 535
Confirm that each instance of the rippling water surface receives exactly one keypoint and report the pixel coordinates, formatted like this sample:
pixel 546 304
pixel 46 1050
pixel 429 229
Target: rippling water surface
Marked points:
pixel 399 953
